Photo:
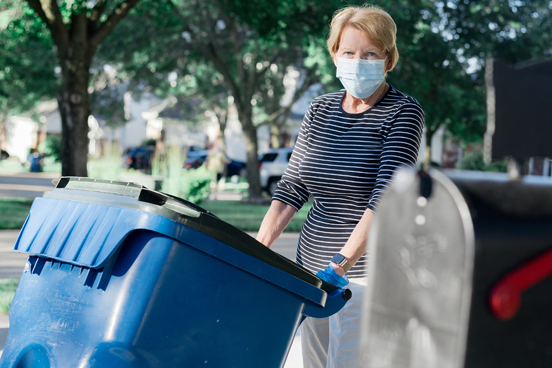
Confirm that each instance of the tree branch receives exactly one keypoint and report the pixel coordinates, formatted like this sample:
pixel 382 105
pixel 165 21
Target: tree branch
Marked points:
pixel 270 62
pixel 50 14
pixel 211 53
pixel 286 110
pixel 97 12
pixel 177 11
pixel 119 13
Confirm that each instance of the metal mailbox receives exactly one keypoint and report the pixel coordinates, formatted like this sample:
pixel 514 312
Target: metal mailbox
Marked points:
pixel 459 273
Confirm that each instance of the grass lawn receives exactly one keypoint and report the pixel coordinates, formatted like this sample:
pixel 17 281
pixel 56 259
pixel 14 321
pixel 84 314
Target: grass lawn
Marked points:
pixel 248 217
pixel 245 216
pixel 7 291
pixel 13 212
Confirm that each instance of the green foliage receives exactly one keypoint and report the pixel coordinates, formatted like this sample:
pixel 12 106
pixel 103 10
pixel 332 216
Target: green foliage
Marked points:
pixel 7 292
pixel 512 31
pixel 192 185
pixel 474 161
pixel 27 60
pixel 149 142
pixel 196 184
pixel 52 147
pixel 201 52
pixel 14 212
pixel 430 71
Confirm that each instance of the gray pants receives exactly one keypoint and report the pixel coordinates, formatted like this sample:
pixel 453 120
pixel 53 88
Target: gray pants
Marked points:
pixel 333 342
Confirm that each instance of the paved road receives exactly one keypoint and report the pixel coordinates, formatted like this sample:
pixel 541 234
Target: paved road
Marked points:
pixel 11 263
pixel 29 185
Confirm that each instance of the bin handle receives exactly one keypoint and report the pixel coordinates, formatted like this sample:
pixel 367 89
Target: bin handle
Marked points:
pixel 334 302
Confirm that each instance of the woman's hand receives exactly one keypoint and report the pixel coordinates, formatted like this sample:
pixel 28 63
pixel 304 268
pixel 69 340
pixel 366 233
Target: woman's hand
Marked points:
pixel 331 277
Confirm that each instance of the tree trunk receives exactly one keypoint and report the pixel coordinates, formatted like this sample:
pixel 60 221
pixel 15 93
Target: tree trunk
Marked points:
pixel 76 44
pixel 74 110
pixel 275 136
pixel 73 100
pixel 251 149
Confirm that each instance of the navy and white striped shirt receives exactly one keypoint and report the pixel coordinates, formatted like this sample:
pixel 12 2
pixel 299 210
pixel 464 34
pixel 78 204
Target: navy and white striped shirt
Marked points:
pixel 346 161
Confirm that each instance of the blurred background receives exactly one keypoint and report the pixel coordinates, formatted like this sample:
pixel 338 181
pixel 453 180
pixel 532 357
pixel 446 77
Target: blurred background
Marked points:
pixel 140 90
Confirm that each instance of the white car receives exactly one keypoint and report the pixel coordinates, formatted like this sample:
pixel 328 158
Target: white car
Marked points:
pixel 272 165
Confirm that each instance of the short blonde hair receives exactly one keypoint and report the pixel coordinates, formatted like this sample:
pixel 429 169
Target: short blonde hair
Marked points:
pixel 374 22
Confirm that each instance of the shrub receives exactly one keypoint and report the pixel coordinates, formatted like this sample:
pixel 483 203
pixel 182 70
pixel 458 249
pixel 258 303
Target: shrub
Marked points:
pixel 192 185
pixel 196 184
pixel 149 142
pixel 52 147
pixel 474 161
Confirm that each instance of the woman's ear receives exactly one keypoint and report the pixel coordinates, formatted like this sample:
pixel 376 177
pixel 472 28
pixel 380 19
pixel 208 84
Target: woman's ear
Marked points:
pixel 387 64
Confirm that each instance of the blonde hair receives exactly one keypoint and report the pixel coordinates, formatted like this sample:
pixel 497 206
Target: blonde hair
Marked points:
pixel 374 22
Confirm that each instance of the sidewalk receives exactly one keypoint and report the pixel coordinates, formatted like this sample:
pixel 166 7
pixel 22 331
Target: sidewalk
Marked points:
pixel 4 326
pixel 12 264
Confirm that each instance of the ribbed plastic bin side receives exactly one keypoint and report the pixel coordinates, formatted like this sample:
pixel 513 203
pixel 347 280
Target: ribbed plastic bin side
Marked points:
pixel 124 283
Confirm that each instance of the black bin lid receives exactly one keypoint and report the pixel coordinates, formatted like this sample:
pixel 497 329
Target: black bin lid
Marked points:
pixel 136 196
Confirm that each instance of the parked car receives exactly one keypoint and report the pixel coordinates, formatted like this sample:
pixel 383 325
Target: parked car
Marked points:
pixel 195 161
pixel 194 151
pixel 272 165
pixel 198 158
pixel 138 158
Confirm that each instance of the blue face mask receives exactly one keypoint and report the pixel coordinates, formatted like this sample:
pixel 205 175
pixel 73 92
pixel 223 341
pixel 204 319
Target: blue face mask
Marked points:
pixel 360 77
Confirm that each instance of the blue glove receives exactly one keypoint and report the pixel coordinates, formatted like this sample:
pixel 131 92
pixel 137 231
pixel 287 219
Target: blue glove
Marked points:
pixel 331 277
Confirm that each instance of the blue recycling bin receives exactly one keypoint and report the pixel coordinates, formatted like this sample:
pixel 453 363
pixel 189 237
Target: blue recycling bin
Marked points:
pixel 122 276
pixel 35 161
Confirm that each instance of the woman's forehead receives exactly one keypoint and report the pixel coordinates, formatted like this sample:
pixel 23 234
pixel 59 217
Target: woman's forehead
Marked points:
pixel 354 38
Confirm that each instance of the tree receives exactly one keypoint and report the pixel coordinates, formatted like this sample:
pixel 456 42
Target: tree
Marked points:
pixel 77 28
pixel 430 71
pixel 513 31
pixel 27 73
pixel 245 59
pixel 214 49
pixel 443 48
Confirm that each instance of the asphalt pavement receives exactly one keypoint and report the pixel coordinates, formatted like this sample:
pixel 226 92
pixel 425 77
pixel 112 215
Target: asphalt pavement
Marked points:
pixel 26 184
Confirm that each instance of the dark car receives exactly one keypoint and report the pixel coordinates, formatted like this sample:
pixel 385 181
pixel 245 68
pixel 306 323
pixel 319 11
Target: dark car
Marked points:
pixel 235 168
pixel 232 168
pixel 138 158
pixel 195 160
pixel 194 151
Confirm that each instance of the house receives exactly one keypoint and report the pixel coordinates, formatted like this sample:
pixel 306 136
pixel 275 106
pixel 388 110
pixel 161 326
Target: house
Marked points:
pixel 21 134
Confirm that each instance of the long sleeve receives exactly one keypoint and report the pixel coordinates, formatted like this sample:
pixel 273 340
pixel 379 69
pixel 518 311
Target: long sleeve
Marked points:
pixel 400 148
pixel 291 189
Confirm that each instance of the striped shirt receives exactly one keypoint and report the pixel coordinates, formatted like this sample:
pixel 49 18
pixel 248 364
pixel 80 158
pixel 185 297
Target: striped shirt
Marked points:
pixel 346 161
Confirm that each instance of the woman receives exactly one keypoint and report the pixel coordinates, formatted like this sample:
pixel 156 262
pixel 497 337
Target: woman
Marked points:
pixel 350 144
pixel 216 162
